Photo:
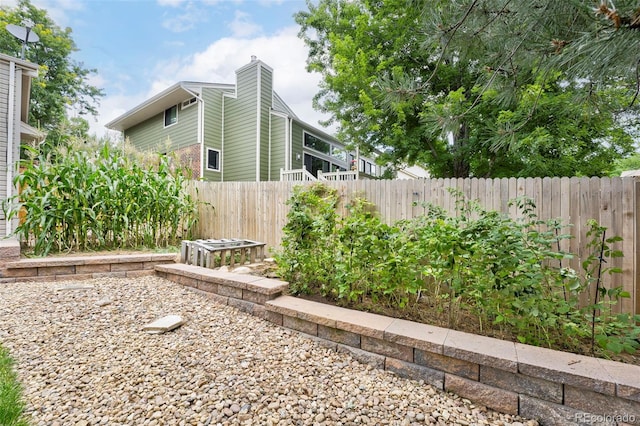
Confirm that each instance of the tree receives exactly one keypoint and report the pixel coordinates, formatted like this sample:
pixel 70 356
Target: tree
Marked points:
pixel 62 83
pixel 467 88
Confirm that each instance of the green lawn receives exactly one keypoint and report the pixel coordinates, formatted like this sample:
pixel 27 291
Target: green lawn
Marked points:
pixel 11 403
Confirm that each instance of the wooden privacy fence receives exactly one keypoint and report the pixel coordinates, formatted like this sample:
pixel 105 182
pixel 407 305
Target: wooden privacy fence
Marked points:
pixel 258 210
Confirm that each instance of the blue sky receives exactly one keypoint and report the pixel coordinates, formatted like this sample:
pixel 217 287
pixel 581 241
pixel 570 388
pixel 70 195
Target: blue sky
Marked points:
pixel 141 47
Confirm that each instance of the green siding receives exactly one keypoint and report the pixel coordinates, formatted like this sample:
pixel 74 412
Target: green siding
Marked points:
pixel 278 141
pixel 296 146
pixel 266 102
pixel 212 128
pixel 239 157
pixel 152 136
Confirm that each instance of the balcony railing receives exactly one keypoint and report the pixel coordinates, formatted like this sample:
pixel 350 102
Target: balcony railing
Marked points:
pixel 297 175
pixel 303 175
pixel 339 176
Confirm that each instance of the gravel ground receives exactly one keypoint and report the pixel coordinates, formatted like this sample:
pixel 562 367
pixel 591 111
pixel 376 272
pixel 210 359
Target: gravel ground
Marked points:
pixel 84 364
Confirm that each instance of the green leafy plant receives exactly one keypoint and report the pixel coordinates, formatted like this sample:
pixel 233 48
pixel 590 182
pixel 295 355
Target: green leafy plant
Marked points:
pixel 11 403
pixel 306 259
pixel 79 200
pixel 509 274
pixel 612 332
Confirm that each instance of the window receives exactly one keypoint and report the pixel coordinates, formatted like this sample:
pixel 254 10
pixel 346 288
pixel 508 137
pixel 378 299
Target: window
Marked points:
pixel 188 103
pixel 213 159
pixel 319 145
pixel 338 153
pixel 171 116
pixel 313 164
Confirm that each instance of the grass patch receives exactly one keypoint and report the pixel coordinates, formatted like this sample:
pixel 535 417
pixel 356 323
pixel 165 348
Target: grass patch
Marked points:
pixel 11 403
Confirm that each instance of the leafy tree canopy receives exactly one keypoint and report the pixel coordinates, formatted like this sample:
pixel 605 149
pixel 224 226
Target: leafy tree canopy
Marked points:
pixel 473 88
pixel 62 83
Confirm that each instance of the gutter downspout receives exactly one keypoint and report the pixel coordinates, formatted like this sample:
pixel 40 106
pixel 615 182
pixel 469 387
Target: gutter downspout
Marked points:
pixel 269 161
pixel 222 141
pixel 203 158
pixel 10 137
pixel 258 107
pixel 290 142
pixel 200 131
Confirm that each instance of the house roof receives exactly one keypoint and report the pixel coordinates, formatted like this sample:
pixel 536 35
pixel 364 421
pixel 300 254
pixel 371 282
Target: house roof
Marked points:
pixel 30 133
pixel 280 105
pixel 175 94
pixel 29 71
pixel 21 63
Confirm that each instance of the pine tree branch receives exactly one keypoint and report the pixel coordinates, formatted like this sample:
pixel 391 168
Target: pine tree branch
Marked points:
pixel 454 28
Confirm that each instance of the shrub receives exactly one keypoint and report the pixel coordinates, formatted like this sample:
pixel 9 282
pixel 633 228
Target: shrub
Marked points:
pixel 508 273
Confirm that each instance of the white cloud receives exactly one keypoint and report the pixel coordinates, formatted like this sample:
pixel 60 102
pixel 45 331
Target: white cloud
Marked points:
pixel 170 3
pixel 242 26
pixel 186 20
pixel 282 51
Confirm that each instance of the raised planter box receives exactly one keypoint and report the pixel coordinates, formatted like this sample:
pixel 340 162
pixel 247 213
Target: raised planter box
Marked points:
pixel 553 387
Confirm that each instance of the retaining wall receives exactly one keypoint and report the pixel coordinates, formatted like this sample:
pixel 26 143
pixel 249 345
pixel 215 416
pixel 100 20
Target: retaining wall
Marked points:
pixel 83 267
pixel 556 388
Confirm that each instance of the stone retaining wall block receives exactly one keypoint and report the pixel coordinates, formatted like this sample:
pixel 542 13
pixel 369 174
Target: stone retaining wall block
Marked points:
pixel 300 325
pixel 413 371
pixel 226 290
pixel 519 383
pixel 382 347
pixel 494 398
pixel 550 414
pixel 447 364
pixel 339 336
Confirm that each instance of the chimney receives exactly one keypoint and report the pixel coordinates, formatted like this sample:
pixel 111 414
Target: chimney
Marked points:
pixel 254 58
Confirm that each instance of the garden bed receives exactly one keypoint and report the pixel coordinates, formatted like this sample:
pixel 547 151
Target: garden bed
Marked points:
pixel 425 313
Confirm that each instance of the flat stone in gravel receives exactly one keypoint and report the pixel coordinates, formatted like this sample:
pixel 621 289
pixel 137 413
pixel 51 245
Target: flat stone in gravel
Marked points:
pixel 81 364
pixel 164 324
pixel 75 286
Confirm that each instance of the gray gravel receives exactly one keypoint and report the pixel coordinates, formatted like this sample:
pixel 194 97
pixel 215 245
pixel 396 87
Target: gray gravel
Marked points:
pixel 85 364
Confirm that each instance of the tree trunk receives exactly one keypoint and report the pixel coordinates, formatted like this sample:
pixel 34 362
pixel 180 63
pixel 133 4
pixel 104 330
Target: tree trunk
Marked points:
pixel 461 166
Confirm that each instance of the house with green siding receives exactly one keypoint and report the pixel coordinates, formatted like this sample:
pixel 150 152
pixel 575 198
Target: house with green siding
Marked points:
pixel 237 132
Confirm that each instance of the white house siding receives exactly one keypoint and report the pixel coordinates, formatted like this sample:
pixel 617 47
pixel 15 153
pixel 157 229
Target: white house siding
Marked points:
pixel 4 111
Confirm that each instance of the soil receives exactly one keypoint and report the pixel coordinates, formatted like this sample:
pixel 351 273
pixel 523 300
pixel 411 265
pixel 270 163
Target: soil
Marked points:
pixel 422 312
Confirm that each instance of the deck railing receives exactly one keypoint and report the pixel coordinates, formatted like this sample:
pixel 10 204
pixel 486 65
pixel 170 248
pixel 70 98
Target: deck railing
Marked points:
pixel 297 175
pixel 341 176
